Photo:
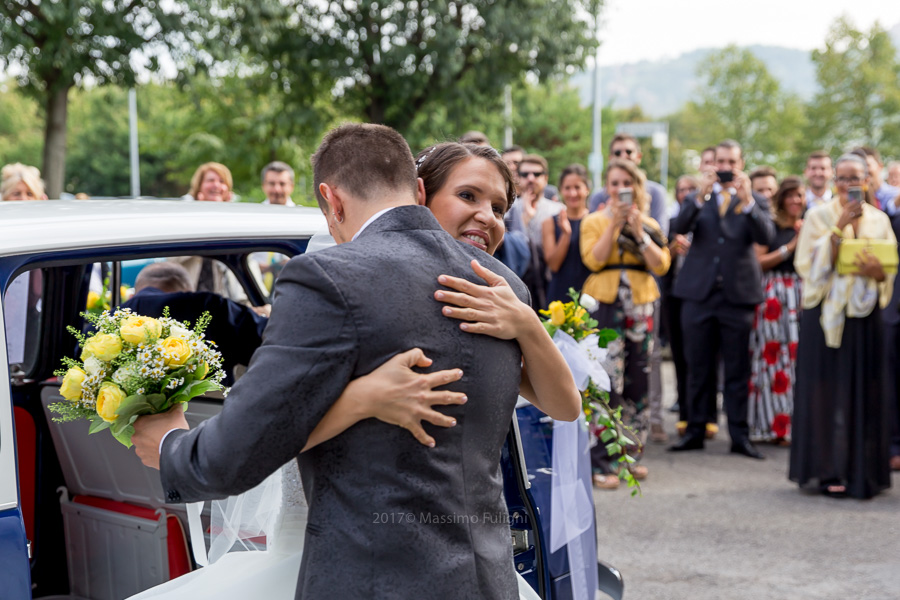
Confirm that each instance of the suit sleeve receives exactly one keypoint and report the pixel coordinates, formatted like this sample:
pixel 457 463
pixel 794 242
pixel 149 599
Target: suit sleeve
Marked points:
pixel 687 216
pixel 308 355
pixel 762 230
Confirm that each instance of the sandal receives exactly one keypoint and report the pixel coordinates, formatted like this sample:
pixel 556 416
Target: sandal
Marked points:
pixel 605 482
pixel 639 472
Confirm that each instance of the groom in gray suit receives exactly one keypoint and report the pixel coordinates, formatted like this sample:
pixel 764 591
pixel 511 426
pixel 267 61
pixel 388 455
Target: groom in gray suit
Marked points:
pixel 388 517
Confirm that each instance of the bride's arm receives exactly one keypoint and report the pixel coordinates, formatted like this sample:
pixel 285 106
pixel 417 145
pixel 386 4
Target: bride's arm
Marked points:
pixel 495 310
pixel 395 394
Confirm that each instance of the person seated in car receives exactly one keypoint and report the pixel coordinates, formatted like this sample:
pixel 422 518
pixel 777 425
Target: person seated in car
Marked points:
pixel 236 329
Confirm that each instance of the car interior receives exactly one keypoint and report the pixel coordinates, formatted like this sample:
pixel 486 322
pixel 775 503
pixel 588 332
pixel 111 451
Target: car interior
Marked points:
pixel 87 496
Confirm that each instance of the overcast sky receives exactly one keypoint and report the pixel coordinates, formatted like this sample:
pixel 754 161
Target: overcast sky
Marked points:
pixel 635 30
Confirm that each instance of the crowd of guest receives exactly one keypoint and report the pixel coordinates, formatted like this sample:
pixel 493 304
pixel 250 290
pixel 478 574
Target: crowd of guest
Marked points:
pixel 780 294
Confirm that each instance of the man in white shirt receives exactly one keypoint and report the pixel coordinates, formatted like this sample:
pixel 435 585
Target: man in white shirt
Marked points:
pixel 818 174
pixel 278 183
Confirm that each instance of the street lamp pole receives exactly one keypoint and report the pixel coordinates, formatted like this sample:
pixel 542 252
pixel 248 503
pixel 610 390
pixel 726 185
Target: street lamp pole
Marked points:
pixel 596 159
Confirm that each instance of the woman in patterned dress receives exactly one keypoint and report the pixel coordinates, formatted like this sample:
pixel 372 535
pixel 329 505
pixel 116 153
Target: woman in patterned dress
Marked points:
pixel 776 332
pixel 623 247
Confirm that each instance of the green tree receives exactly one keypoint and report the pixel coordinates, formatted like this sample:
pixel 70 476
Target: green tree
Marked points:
pixel 20 131
pixel 389 62
pixel 859 101
pixel 56 46
pixel 740 99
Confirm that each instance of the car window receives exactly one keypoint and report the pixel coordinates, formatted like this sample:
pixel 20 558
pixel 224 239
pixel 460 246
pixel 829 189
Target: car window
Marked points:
pixel 266 266
pixel 22 319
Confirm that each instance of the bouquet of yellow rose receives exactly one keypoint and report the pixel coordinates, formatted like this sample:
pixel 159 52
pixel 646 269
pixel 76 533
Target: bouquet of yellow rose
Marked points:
pixel 573 319
pixel 134 365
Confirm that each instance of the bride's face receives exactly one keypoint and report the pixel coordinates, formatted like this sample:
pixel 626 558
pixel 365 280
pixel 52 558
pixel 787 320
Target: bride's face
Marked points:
pixel 471 204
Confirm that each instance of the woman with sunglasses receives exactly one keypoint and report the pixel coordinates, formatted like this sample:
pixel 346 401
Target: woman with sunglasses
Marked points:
pixel 840 433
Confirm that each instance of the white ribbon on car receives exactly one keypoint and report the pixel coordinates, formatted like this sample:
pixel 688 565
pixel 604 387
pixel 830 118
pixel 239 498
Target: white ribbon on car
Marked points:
pixel 571 504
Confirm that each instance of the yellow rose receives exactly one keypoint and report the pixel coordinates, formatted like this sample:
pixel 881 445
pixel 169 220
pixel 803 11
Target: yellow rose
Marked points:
pixel 103 346
pixel 175 351
pixel 93 299
pixel 109 398
pixel 580 313
pixel 557 313
pixel 71 384
pixel 202 370
pixel 140 329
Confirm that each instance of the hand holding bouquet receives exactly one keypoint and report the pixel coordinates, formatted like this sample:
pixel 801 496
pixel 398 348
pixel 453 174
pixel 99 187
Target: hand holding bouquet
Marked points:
pixel 134 365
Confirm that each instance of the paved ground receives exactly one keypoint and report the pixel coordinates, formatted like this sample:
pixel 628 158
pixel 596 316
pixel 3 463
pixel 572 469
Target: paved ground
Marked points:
pixel 716 526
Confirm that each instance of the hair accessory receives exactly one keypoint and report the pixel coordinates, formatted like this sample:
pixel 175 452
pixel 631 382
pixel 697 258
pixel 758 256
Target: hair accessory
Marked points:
pixel 424 156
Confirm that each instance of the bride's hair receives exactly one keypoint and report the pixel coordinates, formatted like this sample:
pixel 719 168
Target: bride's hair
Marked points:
pixel 435 163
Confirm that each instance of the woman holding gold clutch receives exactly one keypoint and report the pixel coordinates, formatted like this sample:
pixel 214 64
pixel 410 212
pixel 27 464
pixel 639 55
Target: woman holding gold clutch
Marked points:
pixel 840 431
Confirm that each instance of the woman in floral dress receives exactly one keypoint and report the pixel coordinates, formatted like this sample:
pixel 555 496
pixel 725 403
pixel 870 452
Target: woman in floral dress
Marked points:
pixel 773 342
pixel 623 247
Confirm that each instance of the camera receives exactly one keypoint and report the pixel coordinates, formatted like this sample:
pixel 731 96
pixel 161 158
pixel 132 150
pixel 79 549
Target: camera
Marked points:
pixel 725 176
pixel 854 194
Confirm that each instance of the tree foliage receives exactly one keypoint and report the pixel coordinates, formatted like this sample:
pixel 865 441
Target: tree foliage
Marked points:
pixel 859 101
pixel 55 46
pixel 388 61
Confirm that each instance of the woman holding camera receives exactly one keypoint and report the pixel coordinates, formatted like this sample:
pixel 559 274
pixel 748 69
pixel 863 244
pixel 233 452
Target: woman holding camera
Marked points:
pixel 840 431
pixel 623 247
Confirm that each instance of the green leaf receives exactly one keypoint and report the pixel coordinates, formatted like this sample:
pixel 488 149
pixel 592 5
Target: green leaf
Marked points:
pixel 605 336
pixel 98 424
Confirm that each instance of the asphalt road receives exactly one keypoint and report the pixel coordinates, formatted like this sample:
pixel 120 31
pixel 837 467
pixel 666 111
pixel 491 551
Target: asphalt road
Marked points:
pixel 715 526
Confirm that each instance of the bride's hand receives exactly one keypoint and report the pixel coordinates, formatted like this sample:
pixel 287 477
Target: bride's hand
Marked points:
pixel 397 395
pixel 492 309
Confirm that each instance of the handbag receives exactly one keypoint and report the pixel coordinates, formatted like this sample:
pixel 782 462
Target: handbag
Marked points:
pixel 884 250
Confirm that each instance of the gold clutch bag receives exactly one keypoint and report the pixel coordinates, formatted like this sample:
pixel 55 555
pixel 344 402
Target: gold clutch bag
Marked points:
pixel 883 250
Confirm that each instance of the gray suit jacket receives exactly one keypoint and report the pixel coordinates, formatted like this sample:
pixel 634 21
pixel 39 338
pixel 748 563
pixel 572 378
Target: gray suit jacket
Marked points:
pixel 388 517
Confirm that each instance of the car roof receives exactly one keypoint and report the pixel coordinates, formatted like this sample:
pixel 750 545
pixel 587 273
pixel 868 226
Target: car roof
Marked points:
pixel 54 225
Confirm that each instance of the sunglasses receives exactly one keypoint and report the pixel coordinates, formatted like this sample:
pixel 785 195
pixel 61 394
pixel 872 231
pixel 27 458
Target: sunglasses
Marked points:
pixel 629 152
pixel 527 174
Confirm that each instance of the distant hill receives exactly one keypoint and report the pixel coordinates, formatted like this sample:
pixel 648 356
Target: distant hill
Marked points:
pixel 662 87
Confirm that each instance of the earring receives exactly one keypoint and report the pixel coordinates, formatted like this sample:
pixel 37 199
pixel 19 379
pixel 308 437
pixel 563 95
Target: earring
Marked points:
pixel 340 220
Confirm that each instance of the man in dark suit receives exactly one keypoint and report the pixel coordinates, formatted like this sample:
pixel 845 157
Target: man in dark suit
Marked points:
pixel 388 517
pixel 720 285
pixel 236 329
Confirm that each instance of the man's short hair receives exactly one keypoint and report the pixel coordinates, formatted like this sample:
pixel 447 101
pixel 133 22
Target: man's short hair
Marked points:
pixel 817 155
pixel 513 148
pixel 169 277
pixel 624 137
pixel 536 159
pixel 708 149
pixel 730 145
pixel 365 159
pixel 474 137
pixel 278 167
pixel 764 171
pixel 865 151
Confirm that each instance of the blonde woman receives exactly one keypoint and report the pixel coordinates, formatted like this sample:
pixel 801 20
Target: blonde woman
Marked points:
pixel 21 182
pixel 623 247
pixel 211 182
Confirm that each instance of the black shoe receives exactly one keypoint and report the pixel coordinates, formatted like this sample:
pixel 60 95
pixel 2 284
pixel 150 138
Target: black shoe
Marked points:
pixel 747 449
pixel 688 442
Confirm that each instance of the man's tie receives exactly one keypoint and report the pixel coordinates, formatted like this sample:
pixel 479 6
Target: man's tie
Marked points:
pixel 726 202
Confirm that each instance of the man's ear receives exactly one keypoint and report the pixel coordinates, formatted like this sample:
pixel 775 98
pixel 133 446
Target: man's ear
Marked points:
pixel 420 192
pixel 333 198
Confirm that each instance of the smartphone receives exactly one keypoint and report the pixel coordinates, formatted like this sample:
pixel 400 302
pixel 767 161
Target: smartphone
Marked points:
pixel 626 197
pixel 725 176
pixel 854 194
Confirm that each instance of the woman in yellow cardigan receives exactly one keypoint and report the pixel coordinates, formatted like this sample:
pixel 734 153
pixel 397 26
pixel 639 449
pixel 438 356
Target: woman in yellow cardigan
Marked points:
pixel 623 247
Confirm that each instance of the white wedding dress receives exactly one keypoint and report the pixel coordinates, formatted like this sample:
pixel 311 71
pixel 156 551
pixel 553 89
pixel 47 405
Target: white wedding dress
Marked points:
pixel 275 509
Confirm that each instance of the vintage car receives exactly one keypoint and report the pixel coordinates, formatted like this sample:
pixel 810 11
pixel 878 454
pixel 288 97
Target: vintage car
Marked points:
pixel 80 516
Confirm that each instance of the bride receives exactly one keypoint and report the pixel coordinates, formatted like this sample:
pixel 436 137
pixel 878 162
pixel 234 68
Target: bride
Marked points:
pixel 469 189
